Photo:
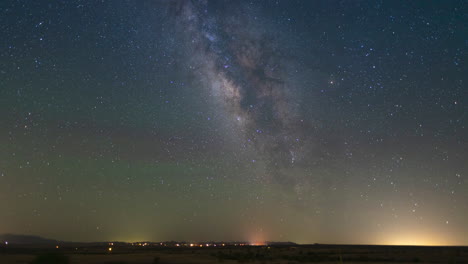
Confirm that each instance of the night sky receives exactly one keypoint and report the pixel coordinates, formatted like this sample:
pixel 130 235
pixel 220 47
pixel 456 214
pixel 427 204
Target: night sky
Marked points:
pixel 304 121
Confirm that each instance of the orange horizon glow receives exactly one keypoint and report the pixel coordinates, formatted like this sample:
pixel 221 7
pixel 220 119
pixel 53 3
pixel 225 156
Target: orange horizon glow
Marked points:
pixel 257 243
pixel 415 240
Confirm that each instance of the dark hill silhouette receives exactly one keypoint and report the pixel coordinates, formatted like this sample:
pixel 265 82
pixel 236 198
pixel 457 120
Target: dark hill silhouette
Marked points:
pixel 25 239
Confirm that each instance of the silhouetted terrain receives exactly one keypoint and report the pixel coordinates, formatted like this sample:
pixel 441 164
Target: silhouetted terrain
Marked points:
pixel 25 239
pixel 177 253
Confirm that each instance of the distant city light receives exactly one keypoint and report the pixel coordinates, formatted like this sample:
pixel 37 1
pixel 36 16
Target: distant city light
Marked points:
pixel 56 246
pixel 6 242
pixel 110 249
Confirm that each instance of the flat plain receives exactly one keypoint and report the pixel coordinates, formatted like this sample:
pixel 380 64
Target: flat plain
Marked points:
pixel 231 254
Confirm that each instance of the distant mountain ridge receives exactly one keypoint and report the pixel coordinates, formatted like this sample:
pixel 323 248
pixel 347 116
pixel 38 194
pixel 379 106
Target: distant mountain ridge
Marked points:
pixel 281 243
pixel 38 240
pixel 25 239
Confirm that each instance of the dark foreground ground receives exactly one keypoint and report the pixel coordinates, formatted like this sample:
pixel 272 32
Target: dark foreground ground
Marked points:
pixel 232 254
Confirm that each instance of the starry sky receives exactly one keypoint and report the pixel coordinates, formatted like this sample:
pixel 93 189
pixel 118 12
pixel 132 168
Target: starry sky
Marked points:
pixel 305 121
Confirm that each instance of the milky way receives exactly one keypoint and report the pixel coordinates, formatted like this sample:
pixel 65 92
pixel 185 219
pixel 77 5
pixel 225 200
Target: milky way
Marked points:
pixel 307 121
pixel 249 71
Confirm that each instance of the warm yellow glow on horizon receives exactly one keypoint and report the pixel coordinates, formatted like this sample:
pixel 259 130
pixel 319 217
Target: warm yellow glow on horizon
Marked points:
pixel 414 239
pixel 257 243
